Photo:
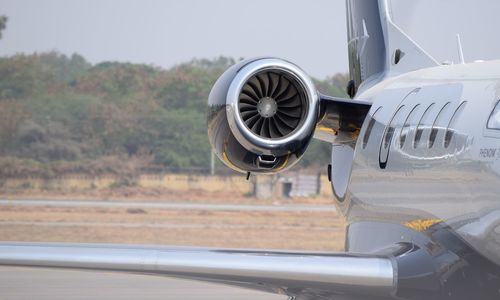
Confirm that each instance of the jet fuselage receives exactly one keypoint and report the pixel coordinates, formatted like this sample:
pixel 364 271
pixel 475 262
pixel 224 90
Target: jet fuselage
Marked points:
pixel 426 155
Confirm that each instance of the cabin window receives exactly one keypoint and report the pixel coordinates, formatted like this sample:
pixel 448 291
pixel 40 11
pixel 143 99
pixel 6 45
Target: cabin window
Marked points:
pixel 450 129
pixel 387 138
pixel 494 120
pixel 424 121
pixel 392 126
pixel 369 128
pixel 406 127
pixel 437 123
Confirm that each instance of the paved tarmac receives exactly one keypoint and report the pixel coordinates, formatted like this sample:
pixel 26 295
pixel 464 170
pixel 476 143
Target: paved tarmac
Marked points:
pixel 164 205
pixel 20 283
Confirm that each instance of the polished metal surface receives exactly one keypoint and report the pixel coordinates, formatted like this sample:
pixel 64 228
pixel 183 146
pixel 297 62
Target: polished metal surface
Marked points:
pixel 447 168
pixel 282 272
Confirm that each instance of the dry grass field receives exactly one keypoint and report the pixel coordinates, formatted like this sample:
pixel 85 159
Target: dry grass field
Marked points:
pixel 321 231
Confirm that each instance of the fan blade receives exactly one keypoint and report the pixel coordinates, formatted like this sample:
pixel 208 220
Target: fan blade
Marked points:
pixel 264 131
pixel 274 130
pixel 270 85
pixel 248 94
pixel 254 84
pixel 245 115
pixel 284 92
pixel 257 125
pixel 290 96
pixel 284 122
pixel 244 106
pixel 273 79
pixel 290 103
pixel 293 113
pixel 291 122
pixel 280 86
pixel 248 97
pixel 252 120
pixel 264 84
pixel 291 109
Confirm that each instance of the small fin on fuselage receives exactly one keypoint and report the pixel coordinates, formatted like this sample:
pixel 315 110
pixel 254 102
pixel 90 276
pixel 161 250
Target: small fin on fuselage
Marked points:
pixel 378 48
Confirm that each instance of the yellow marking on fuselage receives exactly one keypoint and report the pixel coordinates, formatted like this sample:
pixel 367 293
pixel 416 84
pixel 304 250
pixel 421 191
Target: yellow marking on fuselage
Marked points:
pixel 422 224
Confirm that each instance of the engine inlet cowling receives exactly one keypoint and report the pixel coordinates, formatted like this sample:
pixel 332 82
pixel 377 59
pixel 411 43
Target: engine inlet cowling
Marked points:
pixel 262 115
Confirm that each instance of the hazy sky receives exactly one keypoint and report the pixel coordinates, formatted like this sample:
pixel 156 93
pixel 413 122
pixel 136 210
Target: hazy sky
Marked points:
pixel 168 32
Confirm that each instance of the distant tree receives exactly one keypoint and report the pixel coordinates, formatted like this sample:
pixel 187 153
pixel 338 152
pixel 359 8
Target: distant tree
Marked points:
pixel 333 85
pixel 3 24
pixel 11 116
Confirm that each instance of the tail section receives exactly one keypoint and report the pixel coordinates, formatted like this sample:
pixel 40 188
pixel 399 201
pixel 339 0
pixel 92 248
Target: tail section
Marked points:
pixel 377 47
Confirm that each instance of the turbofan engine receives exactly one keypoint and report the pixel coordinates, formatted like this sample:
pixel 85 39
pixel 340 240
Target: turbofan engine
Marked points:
pixel 262 115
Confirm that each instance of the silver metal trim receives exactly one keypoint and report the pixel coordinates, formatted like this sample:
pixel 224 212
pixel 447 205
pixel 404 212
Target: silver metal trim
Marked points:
pixel 245 136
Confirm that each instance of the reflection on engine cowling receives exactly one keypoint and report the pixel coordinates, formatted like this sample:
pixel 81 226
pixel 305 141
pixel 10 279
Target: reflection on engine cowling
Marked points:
pixel 261 115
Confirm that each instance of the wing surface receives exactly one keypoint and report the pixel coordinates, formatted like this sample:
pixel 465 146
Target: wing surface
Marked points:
pixel 295 274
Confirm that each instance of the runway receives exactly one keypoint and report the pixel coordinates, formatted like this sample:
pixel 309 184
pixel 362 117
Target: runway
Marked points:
pixel 176 206
pixel 17 283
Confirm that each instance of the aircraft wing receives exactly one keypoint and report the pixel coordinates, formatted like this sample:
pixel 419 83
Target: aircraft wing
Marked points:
pixel 295 274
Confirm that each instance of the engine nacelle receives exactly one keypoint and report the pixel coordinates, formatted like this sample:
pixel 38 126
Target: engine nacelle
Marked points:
pixel 262 115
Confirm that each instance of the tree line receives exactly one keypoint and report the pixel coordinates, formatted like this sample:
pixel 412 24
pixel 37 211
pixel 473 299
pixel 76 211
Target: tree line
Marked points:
pixel 61 114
